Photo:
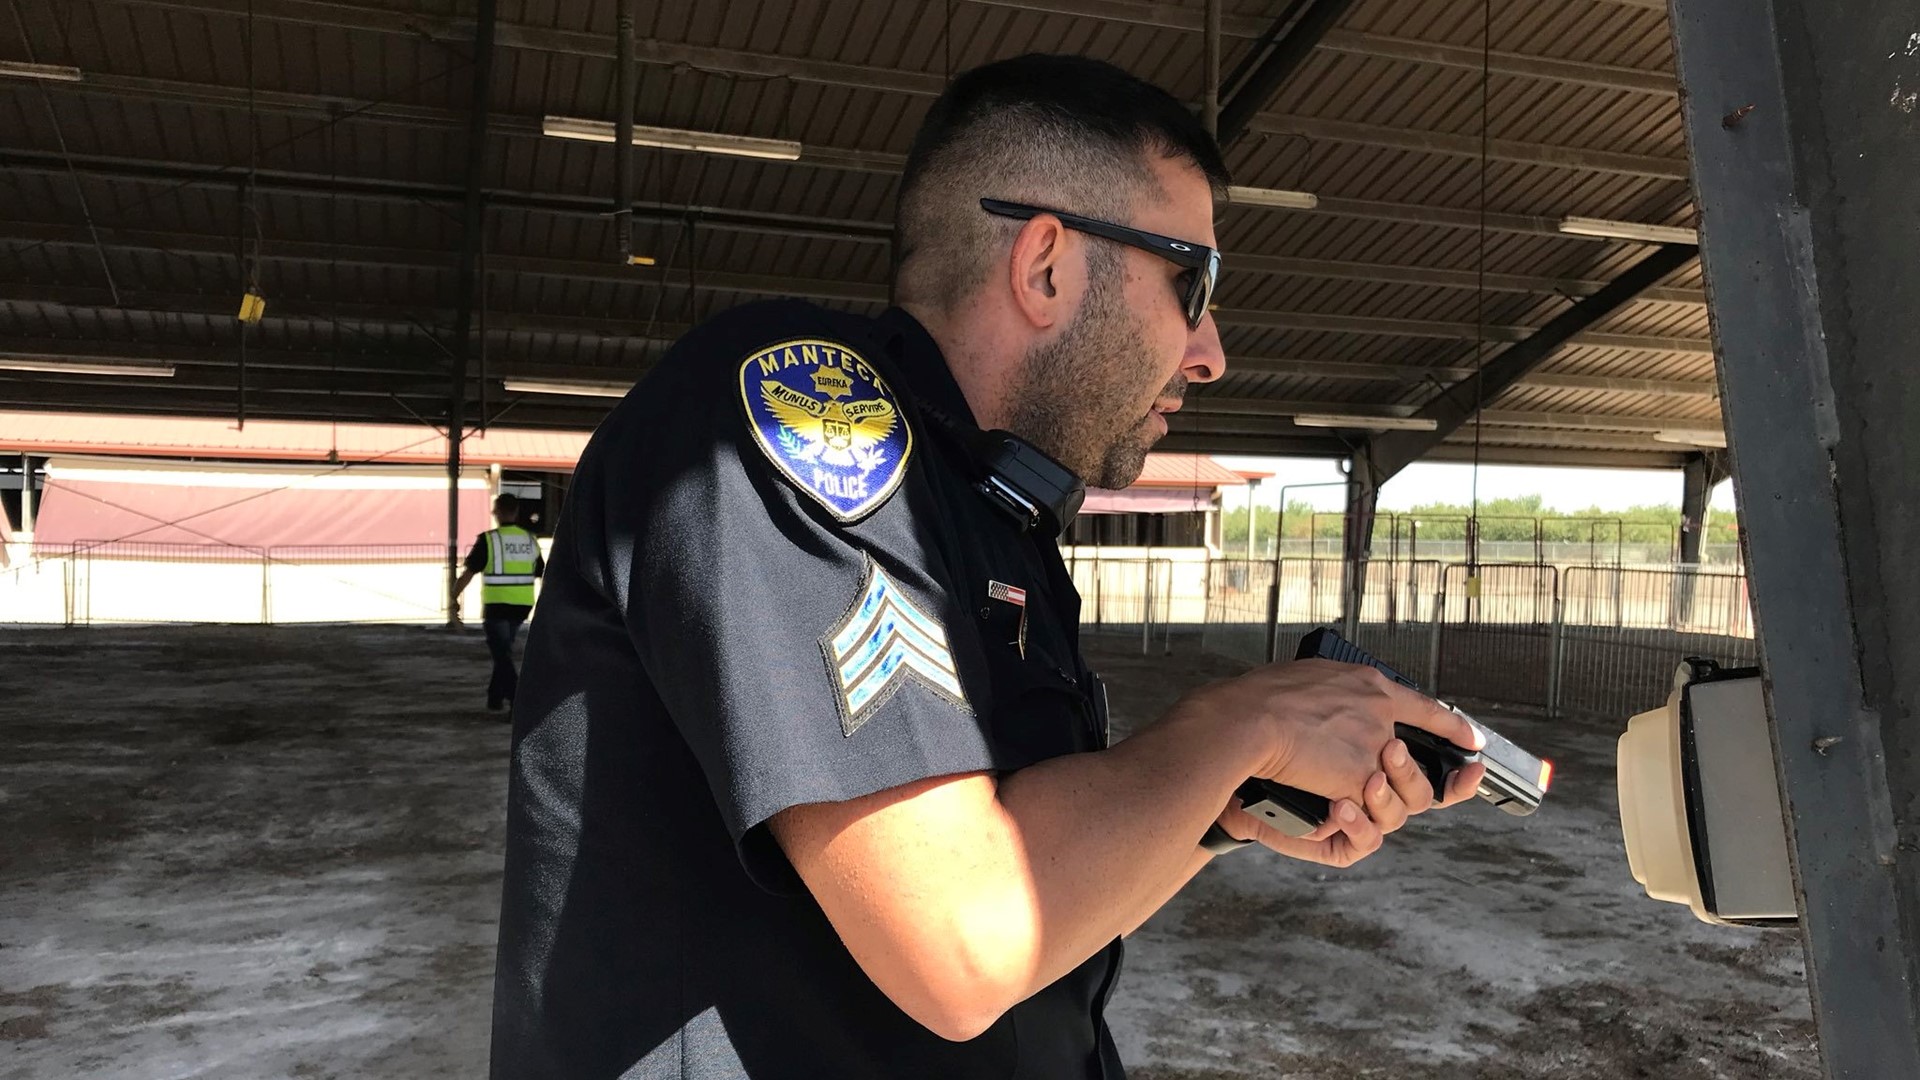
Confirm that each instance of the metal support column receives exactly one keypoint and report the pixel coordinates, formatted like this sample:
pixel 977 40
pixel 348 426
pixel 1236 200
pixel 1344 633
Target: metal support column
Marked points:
pixel 1703 472
pixel 1356 534
pixel 26 494
pixel 1210 113
pixel 1807 176
pixel 473 221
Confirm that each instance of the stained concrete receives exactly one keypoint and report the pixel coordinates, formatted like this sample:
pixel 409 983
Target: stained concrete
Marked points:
pixel 275 852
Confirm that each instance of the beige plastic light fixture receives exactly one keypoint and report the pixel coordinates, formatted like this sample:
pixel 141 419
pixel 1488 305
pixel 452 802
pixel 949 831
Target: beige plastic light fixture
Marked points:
pixel 1272 197
pixel 102 366
pixel 567 387
pixel 16 69
pixel 1603 229
pixel 1369 423
pixel 700 142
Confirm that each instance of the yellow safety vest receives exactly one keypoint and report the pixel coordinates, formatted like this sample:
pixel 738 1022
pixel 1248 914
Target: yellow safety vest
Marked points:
pixel 511 552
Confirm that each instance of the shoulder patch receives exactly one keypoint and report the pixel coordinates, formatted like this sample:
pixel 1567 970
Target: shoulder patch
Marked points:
pixel 827 420
pixel 883 640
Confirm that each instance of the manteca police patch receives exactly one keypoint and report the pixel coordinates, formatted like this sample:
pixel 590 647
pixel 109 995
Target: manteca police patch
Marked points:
pixel 829 421
pixel 884 639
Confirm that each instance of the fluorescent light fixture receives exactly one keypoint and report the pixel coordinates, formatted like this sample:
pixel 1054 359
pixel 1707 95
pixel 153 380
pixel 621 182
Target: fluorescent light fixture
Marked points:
pixel 701 142
pixel 1369 423
pixel 86 366
pixel 1273 197
pixel 568 387
pixel 1692 438
pixel 1628 230
pixel 52 72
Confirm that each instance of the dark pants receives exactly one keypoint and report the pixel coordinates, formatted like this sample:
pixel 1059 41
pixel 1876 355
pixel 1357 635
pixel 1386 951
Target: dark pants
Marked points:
pixel 502 624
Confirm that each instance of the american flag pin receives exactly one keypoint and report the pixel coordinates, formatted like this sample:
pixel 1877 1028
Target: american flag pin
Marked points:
pixel 1012 594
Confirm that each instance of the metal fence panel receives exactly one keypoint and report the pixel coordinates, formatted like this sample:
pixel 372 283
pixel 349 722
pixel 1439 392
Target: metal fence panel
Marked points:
pixel 143 582
pixel 1498 639
pixel 1239 609
pixel 1600 640
pixel 1626 630
pixel 1399 616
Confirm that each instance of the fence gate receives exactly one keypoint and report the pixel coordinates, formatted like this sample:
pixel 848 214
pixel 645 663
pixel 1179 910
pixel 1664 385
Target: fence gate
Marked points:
pixel 1497 636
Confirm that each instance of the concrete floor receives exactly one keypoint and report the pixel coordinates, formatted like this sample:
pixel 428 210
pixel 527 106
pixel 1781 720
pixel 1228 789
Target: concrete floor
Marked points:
pixel 274 852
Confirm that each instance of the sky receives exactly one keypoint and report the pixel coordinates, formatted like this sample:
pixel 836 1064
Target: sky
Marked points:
pixel 1450 482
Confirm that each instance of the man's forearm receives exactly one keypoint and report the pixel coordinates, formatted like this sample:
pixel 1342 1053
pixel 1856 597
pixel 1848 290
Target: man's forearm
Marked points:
pixel 1201 857
pixel 1110 837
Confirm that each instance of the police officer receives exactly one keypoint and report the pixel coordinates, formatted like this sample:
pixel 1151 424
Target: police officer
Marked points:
pixel 508 560
pixel 809 778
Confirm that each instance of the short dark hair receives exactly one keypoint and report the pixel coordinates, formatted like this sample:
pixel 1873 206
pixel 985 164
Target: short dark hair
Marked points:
pixel 506 505
pixel 1063 131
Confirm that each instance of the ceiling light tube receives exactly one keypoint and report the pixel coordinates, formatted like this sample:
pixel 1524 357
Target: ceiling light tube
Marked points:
pixel 1717 439
pixel 52 72
pixel 700 142
pixel 1628 230
pixel 567 387
pixel 1273 197
pixel 1370 423
pixel 85 366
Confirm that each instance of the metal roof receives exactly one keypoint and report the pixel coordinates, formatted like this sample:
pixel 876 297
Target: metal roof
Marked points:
pixel 325 140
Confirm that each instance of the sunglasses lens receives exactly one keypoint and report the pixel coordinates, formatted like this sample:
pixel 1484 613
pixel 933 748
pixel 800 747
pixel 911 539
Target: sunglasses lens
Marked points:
pixel 1198 292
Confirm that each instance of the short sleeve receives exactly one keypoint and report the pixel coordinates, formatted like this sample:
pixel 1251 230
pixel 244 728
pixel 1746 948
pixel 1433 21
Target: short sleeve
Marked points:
pixel 804 655
pixel 476 560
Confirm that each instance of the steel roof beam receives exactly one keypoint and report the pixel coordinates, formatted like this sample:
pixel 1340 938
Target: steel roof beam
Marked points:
pixel 1592 440
pixel 860 77
pixel 1212 405
pixel 321 185
pixel 363 312
pixel 1393 451
pixel 355 254
pixel 322 107
pixel 356 356
pixel 1272 445
pixel 1291 49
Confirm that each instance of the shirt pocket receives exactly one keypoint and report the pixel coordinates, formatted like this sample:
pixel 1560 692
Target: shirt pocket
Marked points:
pixel 1041 708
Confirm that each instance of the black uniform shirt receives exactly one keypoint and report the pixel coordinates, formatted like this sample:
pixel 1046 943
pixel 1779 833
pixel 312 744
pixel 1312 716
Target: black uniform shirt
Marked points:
pixel 773 583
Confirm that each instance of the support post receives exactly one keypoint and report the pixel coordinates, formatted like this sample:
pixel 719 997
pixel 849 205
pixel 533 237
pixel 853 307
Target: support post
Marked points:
pixel 1807 176
pixel 26 494
pixel 1701 473
pixel 473 221
pixel 1211 110
pixel 1363 498
pixel 1253 487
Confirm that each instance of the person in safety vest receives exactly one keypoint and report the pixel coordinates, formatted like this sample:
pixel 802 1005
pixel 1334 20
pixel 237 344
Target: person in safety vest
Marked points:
pixel 507 560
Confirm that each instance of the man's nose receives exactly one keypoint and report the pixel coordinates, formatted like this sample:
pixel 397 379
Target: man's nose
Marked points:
pixel 1206 360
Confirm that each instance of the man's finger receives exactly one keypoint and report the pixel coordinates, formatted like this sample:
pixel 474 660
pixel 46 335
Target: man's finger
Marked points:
pixel 1418 710
pixel 1464 784
pixel 1409 781
pixel 1384 804
pixel 1352 837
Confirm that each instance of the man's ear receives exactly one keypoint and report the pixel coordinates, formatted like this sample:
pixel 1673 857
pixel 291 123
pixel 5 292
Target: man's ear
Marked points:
pixel 1036 271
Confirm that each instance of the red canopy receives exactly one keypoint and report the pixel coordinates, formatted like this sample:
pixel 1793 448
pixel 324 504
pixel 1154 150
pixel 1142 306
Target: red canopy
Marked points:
pixel 251 505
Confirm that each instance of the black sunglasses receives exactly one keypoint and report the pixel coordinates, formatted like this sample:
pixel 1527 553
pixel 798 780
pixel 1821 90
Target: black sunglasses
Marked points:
pixel 1194 286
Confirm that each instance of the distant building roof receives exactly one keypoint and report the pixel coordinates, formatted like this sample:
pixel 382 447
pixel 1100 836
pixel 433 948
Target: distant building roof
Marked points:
pixel 281 440
pixel 1187 471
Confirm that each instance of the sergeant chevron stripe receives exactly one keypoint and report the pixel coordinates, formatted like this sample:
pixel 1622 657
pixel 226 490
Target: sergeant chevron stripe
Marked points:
pixel 883 639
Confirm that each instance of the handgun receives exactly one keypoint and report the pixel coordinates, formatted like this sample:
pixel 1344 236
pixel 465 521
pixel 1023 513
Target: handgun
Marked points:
pixel 1515 781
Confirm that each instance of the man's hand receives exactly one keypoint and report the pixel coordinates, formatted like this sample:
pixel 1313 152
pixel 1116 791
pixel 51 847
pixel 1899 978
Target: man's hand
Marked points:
pixel 1332 729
